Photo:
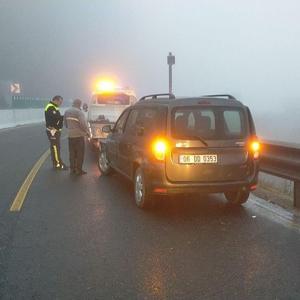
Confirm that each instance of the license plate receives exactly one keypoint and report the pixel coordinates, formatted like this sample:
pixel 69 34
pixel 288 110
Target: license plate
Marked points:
pixel 198 159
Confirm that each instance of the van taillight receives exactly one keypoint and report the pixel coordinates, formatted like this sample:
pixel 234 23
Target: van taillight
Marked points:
pixel 159 148
pixel 254 146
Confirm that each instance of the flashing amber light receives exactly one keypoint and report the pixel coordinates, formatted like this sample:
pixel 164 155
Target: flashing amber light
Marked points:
pixel 159 149
pixel 105 86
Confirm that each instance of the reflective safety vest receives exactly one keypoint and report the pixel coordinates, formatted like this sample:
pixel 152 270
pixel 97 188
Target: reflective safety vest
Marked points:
pixel 51 105
pixel 53 117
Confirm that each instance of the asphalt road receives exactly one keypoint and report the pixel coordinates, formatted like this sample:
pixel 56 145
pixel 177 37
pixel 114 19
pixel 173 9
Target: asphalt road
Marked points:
pixel 83 238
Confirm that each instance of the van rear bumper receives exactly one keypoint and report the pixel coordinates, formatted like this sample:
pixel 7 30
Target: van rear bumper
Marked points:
pixel 159 184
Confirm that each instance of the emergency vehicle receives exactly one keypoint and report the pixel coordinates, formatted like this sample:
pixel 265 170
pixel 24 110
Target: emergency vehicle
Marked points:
pixel 106 105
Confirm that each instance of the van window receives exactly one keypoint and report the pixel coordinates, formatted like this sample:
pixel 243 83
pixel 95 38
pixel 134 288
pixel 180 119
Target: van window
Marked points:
pixel 131 122
pixel 112 98
pixel 147 119
pixel 208 123
pixel 120 123
pixel 152 120
pixel 233 122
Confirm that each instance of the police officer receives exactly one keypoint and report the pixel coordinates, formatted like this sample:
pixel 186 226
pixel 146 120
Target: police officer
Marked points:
pixel 76 124
pixel 54 124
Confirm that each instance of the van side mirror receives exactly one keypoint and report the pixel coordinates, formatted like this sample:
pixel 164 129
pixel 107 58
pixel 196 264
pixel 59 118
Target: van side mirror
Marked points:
pixel 85 107
pixel 106 129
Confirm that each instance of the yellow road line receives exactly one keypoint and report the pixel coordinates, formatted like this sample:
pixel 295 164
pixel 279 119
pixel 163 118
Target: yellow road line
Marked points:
pixel 55 155
pixel 19 200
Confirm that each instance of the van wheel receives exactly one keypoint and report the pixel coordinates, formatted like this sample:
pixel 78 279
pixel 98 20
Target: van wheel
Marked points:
pixel 143 199
pixel 103 163
pixel 237 197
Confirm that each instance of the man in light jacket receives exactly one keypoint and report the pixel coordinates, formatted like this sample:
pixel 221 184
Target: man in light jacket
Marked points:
pixel 76 124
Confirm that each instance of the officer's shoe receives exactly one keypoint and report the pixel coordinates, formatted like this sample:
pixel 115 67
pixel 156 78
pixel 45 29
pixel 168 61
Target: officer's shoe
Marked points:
pixel 61 167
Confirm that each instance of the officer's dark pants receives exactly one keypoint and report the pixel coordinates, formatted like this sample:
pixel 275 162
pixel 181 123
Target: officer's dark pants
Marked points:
pixel 55 148
pixel 76 150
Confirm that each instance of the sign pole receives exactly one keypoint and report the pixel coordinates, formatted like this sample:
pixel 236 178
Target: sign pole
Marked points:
pixel 171 62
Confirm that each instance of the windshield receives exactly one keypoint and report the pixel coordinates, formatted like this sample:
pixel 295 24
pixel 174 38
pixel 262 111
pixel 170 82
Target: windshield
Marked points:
pixel 209 123
pixel 112 98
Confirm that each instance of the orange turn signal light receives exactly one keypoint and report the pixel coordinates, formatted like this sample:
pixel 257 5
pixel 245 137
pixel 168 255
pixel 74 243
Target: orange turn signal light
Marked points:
pixel 159 149
pixel 255 147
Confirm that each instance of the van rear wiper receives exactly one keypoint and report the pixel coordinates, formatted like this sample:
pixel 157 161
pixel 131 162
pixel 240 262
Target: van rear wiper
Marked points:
pixel 194 137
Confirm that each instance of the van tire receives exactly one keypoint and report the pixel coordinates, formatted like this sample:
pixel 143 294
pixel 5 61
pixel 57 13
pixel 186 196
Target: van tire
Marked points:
pixel 237 197
pixel 143 199
pixel 103 163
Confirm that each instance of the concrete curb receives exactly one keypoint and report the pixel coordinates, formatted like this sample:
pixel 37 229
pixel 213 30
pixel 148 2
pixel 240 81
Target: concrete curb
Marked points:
pixel 15 117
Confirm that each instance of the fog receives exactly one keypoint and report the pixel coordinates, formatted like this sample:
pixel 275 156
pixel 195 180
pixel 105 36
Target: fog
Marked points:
pixel 246 48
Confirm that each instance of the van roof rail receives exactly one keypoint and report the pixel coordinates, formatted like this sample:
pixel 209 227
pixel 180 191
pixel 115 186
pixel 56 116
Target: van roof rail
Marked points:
pixel 220 95
pixel 156 96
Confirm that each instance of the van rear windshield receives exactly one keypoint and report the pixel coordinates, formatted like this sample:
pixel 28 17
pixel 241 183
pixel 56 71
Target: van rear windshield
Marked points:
pixel 209 123
pixel 112 98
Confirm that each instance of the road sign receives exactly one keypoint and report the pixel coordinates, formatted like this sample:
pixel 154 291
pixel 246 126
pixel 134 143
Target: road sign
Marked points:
pixel 171 59
pixel 15 88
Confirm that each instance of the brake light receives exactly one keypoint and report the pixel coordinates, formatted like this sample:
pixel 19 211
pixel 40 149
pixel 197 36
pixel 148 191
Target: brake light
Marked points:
pixel 159 149
pixel 254 148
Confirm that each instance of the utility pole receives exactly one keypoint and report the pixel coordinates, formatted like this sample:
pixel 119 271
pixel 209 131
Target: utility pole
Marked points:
pixel 171 62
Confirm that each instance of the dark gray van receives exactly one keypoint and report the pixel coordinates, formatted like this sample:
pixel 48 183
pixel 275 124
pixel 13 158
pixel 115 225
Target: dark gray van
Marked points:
pixel 168 145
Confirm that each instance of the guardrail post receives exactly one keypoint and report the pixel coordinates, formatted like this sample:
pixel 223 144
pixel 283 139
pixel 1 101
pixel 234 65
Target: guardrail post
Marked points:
pixel 297 193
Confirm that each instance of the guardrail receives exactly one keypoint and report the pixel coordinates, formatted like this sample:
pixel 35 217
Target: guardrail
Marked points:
pixel 282 160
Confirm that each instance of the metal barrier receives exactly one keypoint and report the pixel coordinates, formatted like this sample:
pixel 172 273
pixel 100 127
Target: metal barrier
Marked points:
pixel 282 160
pixel 21 102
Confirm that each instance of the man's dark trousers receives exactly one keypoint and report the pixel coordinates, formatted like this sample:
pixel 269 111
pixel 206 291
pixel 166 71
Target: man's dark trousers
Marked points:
pixel 55 148
pixel 76 150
